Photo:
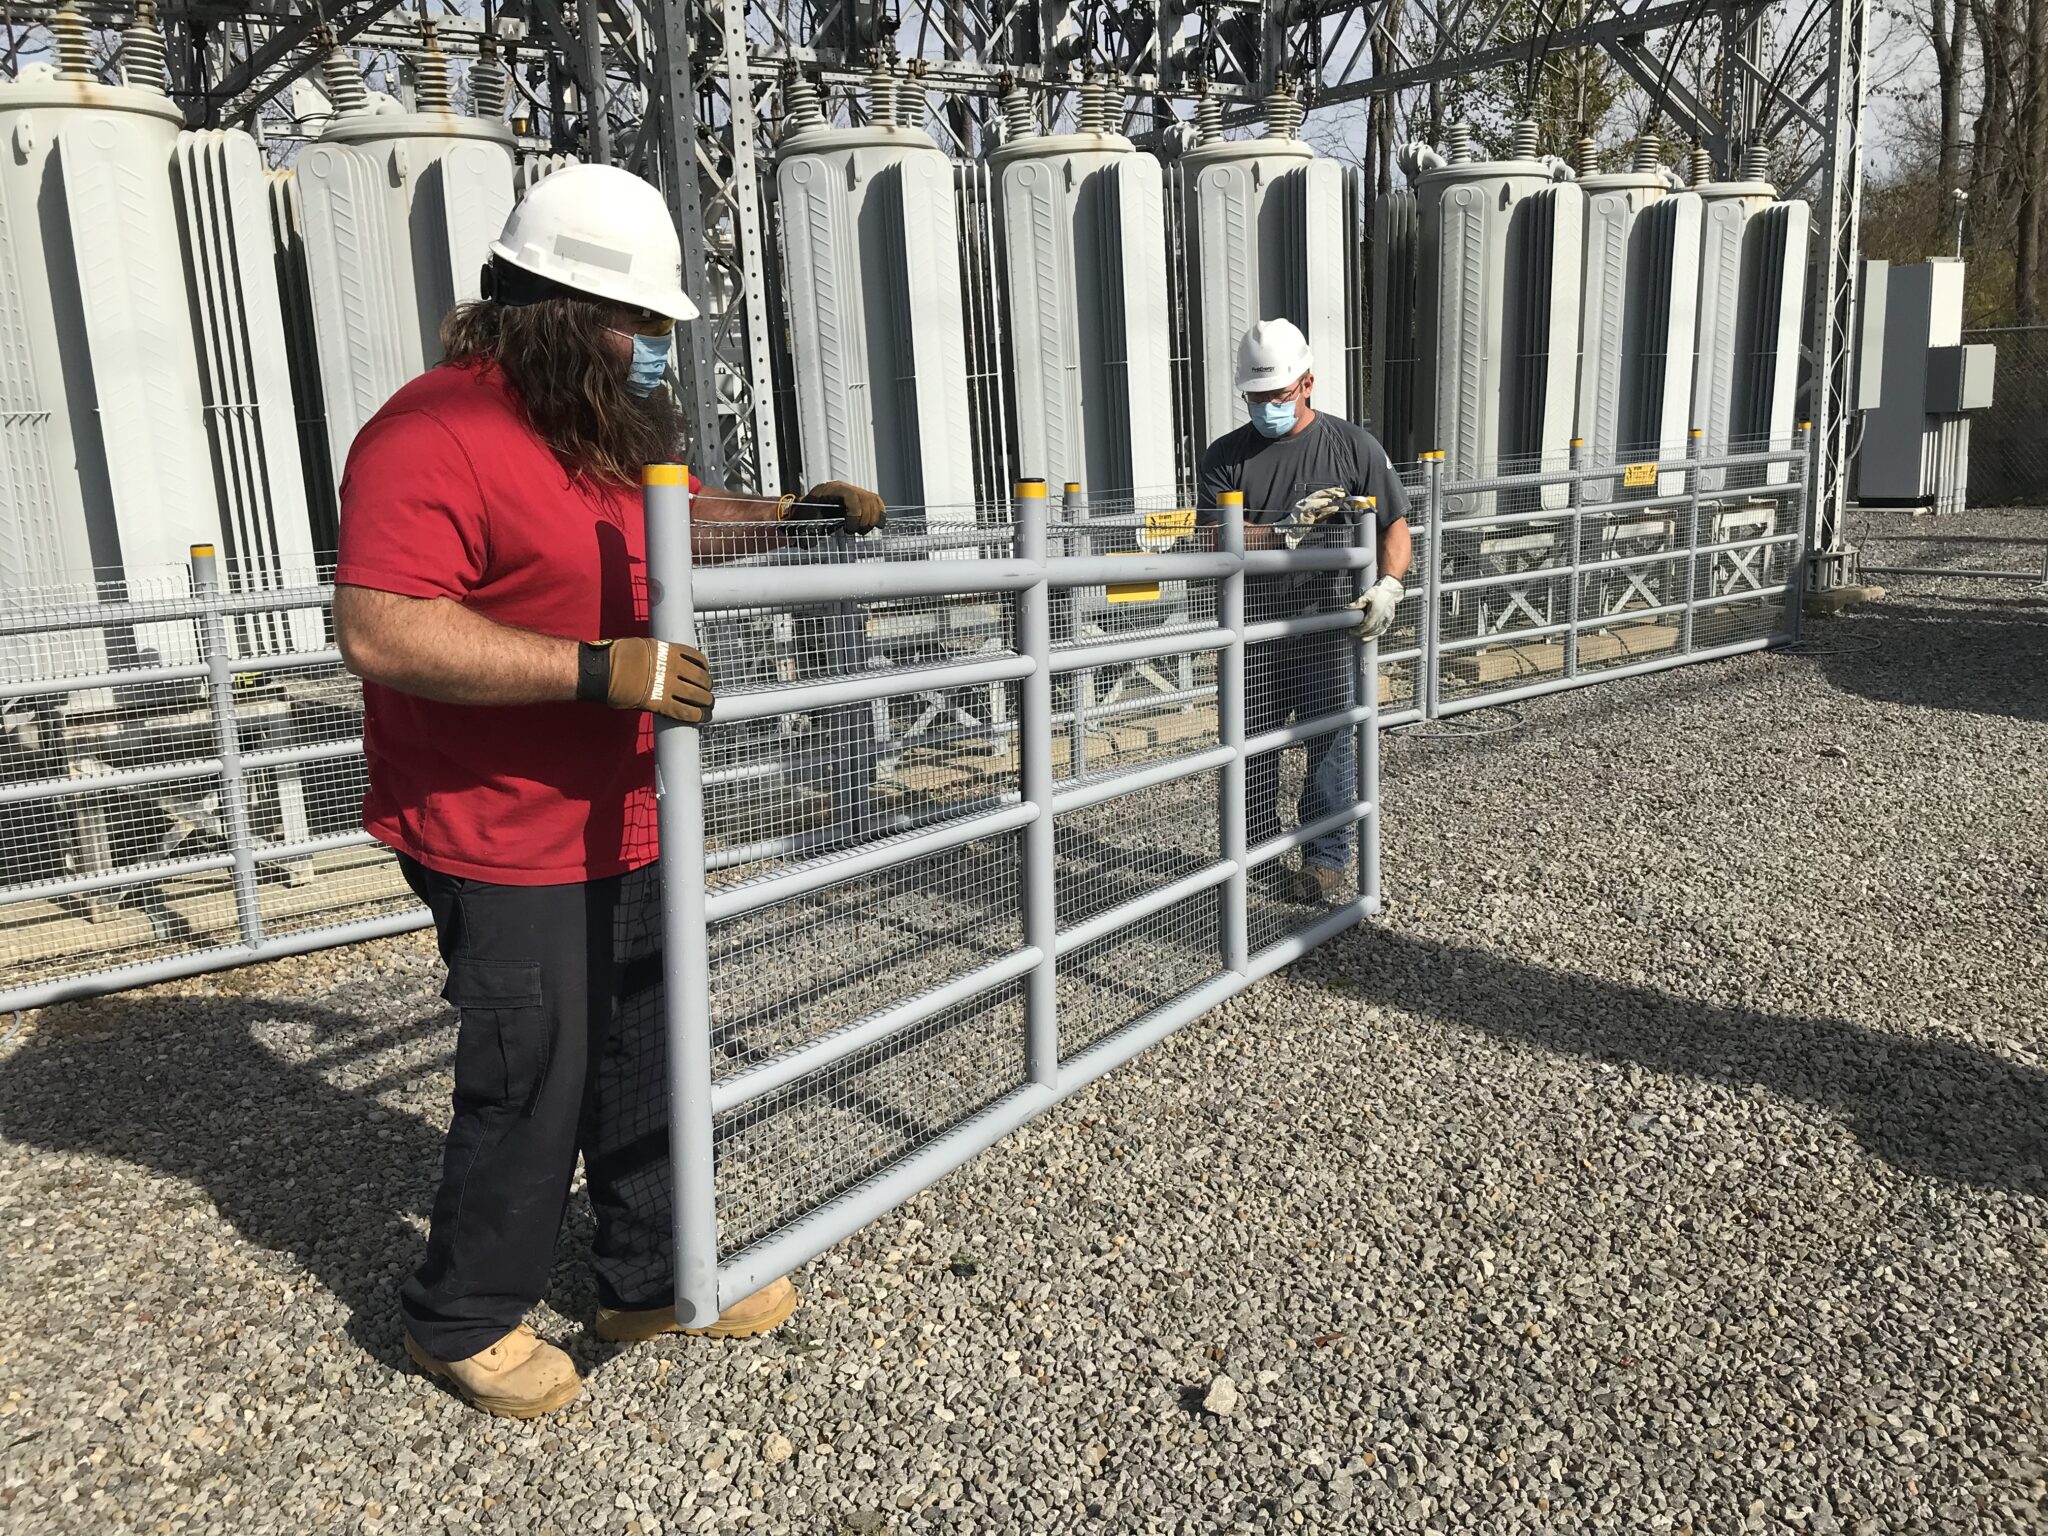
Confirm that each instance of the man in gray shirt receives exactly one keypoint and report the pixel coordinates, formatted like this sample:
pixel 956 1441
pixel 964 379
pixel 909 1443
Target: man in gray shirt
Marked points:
pixel 1300 472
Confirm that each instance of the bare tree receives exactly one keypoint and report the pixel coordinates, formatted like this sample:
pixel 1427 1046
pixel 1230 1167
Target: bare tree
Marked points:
pixel 1948 30
pixel 1995 36
pixel 2033 141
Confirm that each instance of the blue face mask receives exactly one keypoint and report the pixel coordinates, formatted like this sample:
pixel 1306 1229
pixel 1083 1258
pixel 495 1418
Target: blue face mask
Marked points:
pixel 650 363
pixel 1273 418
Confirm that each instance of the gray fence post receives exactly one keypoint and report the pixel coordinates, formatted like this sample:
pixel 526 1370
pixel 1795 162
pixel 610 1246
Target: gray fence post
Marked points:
pixel 1432 607
pixel 1365 736
pixel 1576 490
pixel 1081 686
pixel 234 784
pixel 1034 773
pixel 1230 713
pixel 686 957
pixel 1801 477
pixel 1692 543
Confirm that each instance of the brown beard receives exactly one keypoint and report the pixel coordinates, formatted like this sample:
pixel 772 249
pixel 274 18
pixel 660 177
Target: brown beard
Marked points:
pixel 573 389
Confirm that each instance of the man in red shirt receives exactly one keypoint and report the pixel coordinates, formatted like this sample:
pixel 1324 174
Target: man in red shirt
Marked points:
pixel 491 594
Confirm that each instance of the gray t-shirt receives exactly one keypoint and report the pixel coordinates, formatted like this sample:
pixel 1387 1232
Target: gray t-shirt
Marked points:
pixel 1276 472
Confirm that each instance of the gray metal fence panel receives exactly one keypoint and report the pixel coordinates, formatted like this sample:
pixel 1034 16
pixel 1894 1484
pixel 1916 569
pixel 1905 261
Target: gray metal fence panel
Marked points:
pixel 1522 600
pixel 989 882
pixel 140 840
pixel 180 781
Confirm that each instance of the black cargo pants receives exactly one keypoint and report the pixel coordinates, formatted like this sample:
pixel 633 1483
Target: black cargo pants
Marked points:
pixel 560 1049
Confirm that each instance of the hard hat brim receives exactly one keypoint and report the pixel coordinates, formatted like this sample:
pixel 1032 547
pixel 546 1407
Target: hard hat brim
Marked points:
pixel 671 302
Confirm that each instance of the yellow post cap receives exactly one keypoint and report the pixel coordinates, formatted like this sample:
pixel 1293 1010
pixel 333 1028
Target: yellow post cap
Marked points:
pixel 1073 487
pixel 1699 432
pixel 1578 442
pixel 1230 498
pixel 1031 490
pixel 665 474
pixel 1806 426
pixel 202 551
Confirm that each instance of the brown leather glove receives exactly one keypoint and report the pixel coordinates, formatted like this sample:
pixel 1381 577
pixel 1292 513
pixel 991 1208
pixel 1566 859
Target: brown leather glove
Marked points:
pixel 656 675
pixel 855 509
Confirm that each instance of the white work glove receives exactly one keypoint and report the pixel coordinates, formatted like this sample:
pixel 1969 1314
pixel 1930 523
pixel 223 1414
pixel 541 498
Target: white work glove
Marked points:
pixel 1310 510
pixel 1376 608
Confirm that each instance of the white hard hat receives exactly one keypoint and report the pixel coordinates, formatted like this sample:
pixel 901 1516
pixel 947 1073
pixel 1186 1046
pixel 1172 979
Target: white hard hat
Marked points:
pixel 600 230
pixel 1271 355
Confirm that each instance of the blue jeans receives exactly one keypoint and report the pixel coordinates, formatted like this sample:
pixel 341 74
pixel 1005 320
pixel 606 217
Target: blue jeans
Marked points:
pixel 1302 679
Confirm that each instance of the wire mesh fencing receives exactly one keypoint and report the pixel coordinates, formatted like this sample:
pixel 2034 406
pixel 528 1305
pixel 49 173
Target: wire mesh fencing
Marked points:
pixel 142 837
pixel 1543 579
pixel 181 780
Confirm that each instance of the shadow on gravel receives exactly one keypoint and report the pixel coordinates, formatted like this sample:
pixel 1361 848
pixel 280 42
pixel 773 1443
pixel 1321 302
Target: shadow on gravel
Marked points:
pixel 1986 658
pixel 296 1163
pixel 1930 1108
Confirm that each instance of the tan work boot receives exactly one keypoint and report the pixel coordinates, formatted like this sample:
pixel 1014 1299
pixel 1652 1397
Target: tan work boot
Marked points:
pixel 1316 885
pixel 744 1319
pixel 520 1377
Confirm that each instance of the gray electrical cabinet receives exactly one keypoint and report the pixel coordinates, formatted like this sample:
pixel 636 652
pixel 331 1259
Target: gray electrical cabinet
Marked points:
pixel 1959 379
pixel 1915 448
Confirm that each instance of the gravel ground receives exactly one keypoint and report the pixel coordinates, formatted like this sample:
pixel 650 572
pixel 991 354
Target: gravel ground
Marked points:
pixel 1669 1159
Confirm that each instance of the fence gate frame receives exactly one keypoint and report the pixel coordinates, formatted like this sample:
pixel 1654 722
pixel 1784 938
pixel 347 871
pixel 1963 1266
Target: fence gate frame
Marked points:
pixel 706 1280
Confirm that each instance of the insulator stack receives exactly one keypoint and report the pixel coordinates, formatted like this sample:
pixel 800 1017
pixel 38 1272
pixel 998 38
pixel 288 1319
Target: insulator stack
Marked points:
pixel 882 97
pixel 1019 121
pixel 802 110
pixel 344 83
pixel 487 82
pixel 430 73
pixel 1112 106
pixel 1283 115
pixel 142 49
pixel 1526 140
pixel 74 43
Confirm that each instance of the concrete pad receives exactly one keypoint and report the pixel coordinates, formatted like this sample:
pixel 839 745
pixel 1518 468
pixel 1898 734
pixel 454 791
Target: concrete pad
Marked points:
pixel 1824 605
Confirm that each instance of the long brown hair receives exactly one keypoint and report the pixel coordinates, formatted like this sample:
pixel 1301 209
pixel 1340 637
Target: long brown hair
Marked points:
pixel 573 388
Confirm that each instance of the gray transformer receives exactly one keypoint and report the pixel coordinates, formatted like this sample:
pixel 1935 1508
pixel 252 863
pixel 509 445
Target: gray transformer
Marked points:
pixel 1267 238
pixel 1084 270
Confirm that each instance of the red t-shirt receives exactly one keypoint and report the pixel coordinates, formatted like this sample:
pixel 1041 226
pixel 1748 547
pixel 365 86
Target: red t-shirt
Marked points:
pixel 449 493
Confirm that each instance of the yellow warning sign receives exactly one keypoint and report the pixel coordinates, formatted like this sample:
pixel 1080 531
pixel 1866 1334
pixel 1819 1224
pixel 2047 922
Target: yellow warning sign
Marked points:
pixel 1165 529
pixel 1636 476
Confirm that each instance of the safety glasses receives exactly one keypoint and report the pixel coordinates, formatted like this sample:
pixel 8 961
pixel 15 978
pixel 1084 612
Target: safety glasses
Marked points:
pixel 1269 396
pixel 644 322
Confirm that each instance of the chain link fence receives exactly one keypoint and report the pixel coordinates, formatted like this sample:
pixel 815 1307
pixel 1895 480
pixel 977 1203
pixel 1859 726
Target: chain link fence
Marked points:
pixel 2009 442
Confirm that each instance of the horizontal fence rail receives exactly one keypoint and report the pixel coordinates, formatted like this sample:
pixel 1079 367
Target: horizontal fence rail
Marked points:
pixel 181 752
